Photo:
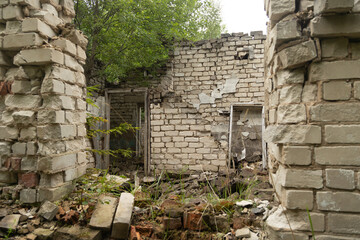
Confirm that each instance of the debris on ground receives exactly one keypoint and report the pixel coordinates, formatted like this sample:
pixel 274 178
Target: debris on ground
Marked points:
pixel 133 206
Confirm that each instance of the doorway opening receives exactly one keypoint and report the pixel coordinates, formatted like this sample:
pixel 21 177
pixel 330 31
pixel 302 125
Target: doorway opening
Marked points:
pixel 245 134
pixel 128 106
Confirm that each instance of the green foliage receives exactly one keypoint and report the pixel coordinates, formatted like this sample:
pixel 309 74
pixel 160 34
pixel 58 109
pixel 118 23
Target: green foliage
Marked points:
pixel 130 34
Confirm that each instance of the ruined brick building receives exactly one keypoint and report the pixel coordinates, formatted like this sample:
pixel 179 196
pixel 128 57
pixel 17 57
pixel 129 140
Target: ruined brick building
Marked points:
pixel 205 113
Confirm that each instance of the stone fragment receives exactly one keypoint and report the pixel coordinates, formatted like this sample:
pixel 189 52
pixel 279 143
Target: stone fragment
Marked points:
pixel 122 220
pixel 294 113
pixel 4 148
pixel 310 92
pixel 22 40
pixel 103 215
pixel 299 221
pixel 40 56
pixel 54 194
pixel 337 90
pixel 57 163
pixel 342 134
pixel 36 25
pixel 44 233
pixel 23 101
pixel 245 203
pixel 291 94
pixel 333 6
pixel 340 179
pixel 56 131
pixel 48 18
pixel 65 45
pixel 344 25
pixel 51 116
pixel 28 196
pixel 242 233
pixel 340 155
pixel 334 48
pixel 293 134
pixel 284 77
pixel 24 117
pixel 297 55
pixel 77 232
pixel 8 132
pixel 280 8
pixel 19 148
pixel 21 87
pixel 52 86
pixel 286 31
pixel 10 222
pixel 28 133
pixel 77 38
pixel 347 112
pixel 48 210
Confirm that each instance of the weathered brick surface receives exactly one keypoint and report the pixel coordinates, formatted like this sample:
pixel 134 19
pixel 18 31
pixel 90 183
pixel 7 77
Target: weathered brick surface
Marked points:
pixel 313 141
pixel 47 80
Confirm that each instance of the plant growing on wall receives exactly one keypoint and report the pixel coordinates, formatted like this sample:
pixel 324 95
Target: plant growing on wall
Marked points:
pixel 130 34
pixel 93 129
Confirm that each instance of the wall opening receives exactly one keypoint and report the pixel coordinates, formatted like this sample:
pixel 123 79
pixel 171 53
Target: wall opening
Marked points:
pixel 245 134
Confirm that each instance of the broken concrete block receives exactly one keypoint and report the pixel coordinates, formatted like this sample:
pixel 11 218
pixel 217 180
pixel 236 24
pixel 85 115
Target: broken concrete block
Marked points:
pixel 77 232
pixel 65 45
pixel 340 179
pixel 8 132
pixel 332 6
pixel 23 101
pixel 103 215
pixel 12 12
pixel 284 77
pixel 55 164
pixel 44 233
pixel 53 194
pixel 48 210
pixel 19 148
pixel 122 220
pixel 47 17
pixel 51 116
pixel 293 134
pixel 280 8
pixel 336 70
pixel 21 87
pixel 10 222
pixel 50 85
pixel 335 26
pixel 297 55
pixel 22 40
pixel 24 117
pixel 40 56
pixel 294 113
pixel 4 59
pixel 334 48
pixel 28 196
pixel 36 25
pixel 77 38
pixel 286 31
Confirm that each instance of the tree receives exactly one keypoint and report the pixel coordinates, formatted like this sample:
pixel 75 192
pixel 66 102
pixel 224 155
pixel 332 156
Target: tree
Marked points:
pixel 129 34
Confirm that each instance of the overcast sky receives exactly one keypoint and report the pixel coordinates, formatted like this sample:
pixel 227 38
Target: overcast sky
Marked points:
pixel 243 15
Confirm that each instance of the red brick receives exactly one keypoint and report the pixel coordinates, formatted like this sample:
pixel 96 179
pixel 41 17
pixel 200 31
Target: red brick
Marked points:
pixel 29 179
pixel 193 221
pixel 144 230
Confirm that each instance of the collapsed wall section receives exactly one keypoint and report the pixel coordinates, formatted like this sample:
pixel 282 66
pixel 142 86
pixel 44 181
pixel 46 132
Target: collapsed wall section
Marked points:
pixel 312 112
pixel 43 108
pixel 190 117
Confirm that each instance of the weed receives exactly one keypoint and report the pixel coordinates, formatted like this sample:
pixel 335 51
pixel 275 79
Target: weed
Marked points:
pixel 311 224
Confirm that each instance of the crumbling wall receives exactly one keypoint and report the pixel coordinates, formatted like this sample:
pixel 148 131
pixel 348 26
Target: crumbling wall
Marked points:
pixel 202 81
pixel 312 111
pixel 43 112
